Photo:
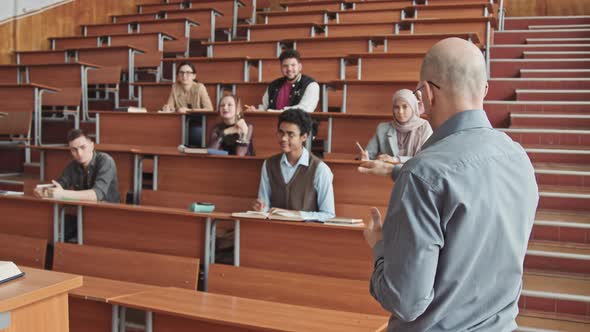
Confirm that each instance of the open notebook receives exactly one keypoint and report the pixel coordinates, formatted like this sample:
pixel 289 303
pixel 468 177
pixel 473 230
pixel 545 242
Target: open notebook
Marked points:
pixel 9 271
pixel 277 215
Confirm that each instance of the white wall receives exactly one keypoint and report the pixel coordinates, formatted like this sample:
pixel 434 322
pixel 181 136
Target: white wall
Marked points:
pixel 14 8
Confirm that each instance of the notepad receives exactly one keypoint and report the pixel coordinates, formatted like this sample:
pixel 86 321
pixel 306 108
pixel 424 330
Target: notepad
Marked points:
pixel 9 271
pixel 277 215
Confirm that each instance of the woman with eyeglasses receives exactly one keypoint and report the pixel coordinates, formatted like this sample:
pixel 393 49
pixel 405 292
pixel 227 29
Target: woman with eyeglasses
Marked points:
pixel 232 134
pixel 187 94
pixel 399 140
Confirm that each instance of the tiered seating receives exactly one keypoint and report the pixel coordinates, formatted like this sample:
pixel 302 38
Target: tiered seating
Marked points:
pixel 361 52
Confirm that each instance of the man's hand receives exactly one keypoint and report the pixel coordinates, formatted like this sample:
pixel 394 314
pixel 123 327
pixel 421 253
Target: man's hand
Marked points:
pixel 40 192
pixel 258 205
pixel 167 109
pixel 365 155
pixel 387 158
pixel 279 210
pixel 373 228
pixel 56 192
pixel 376 167
pixel 249 108
pixel 183 110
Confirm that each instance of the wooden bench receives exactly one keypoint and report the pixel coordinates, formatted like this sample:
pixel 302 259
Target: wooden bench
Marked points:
pixel 211 70
pixel 111 273
pixel 23 250
pixel 205 16
pixel 452 11
pixel 181 310
pixel 28 216
pixel 154 129
pixel 330 5
pixel 366 97
pixel 294 288
pixel 229 9
pixel 179 28
pixel 320 16
pixel 26 98
pixel 152 43
pixel 274 32
pixel 111 59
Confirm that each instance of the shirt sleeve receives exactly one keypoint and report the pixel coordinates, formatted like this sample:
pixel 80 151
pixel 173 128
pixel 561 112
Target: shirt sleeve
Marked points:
pixel 106 173
pixel 66 177
pixel 406 259
pixel 264 189
pixel 322 183
pixel 309 100
pixel 204 98
pixel 264 105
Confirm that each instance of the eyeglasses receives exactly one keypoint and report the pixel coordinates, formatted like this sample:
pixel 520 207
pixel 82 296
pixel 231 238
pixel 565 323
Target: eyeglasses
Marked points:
pixel 423 85
pixel 185 72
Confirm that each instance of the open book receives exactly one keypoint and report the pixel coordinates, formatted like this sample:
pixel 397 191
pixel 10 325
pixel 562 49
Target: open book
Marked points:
pixel 9 271
pixel 345 221
pixel 132 109
pixel 277 215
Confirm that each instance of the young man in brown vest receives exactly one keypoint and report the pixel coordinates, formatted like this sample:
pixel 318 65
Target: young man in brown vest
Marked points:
pixel 295 179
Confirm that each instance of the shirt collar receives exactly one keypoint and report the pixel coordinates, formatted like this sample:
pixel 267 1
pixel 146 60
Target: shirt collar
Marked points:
pixel 468 119
pixel 303 160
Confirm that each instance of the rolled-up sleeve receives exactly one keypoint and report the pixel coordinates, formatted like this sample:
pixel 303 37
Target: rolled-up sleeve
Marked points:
pixel 406 259
pixel 106 173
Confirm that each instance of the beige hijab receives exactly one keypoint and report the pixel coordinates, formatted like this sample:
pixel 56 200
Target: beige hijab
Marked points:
pixel 409 136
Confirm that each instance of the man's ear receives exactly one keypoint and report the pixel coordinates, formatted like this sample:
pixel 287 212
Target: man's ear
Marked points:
pixel 304 137
pixel 300 66
pixel 486 89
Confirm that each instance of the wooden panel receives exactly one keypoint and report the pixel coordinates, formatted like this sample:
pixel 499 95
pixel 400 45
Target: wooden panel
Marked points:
pixel 223 203
pixel 166 323
pixel 319 250
pixel 361 29
pixel 295 17
pixel 449 27
pixel 126 265
pixel 31 32
pixel 398 68
pixel 547 8
pixel 89 316
pixel 370 5
pixel 368 16
pixel 47 315
pixel 251 94
pixel 141 129
pixel 106 56
pixel 293 288
pixel 17 98
pixel 331 47
pixel 372 98
pixel 23 250
pixel 44 58
pixel 254 50
pixel 279 33
pixel 346 132
pixel 149 43
pixel 450 12
pixel 27 217
pixel 217 179
pixel 150 231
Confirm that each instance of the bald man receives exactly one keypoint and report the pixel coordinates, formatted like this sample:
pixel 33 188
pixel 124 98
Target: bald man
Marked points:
pixel 449 255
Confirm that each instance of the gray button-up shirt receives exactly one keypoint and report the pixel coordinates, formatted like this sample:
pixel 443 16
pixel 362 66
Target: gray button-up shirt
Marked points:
pixel 101 176
pixel 456 232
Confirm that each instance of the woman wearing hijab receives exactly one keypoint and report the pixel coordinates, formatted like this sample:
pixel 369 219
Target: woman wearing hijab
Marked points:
pixel 400 139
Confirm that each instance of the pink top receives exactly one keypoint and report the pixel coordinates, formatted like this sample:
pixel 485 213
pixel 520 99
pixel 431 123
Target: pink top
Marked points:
pixel 283 97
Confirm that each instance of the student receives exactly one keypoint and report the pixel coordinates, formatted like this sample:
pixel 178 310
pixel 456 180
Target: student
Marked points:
pixel 91 176
pixel 400 139
pixel 187 93
pixel 292 91
pixel 232 134
pixel 449 255
pixel 295 179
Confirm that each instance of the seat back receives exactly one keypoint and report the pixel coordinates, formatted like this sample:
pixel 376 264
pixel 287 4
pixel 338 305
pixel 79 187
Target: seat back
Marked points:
pixel 23 250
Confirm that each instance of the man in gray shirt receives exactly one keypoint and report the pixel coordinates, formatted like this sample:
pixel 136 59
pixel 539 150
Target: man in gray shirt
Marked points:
pixel 449 256
pixel 91 176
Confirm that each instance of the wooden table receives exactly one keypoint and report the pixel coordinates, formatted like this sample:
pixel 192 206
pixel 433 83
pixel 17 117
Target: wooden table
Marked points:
pixel 36 302
pixel 184 310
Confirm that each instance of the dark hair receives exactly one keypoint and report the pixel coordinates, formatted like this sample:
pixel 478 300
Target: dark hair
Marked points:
pixel 298 117
pixel 290 54
pixel 75 133
pixel 185 63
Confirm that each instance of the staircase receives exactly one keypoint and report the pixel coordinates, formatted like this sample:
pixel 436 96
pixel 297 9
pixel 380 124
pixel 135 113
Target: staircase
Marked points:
pixel 540 97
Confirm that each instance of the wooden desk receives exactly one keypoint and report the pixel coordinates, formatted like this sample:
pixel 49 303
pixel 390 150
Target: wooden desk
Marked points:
pixel 367 97
pixel 153 129
pixel 26 98
pixel 322 69
pixel 453 11
pixel 263 32
pixel 321 16
pixel 28 216
pixel 205 16
pixel 181 310
pixel 393 12
pixel 211 70
pixel 331 5
pixel 27 301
